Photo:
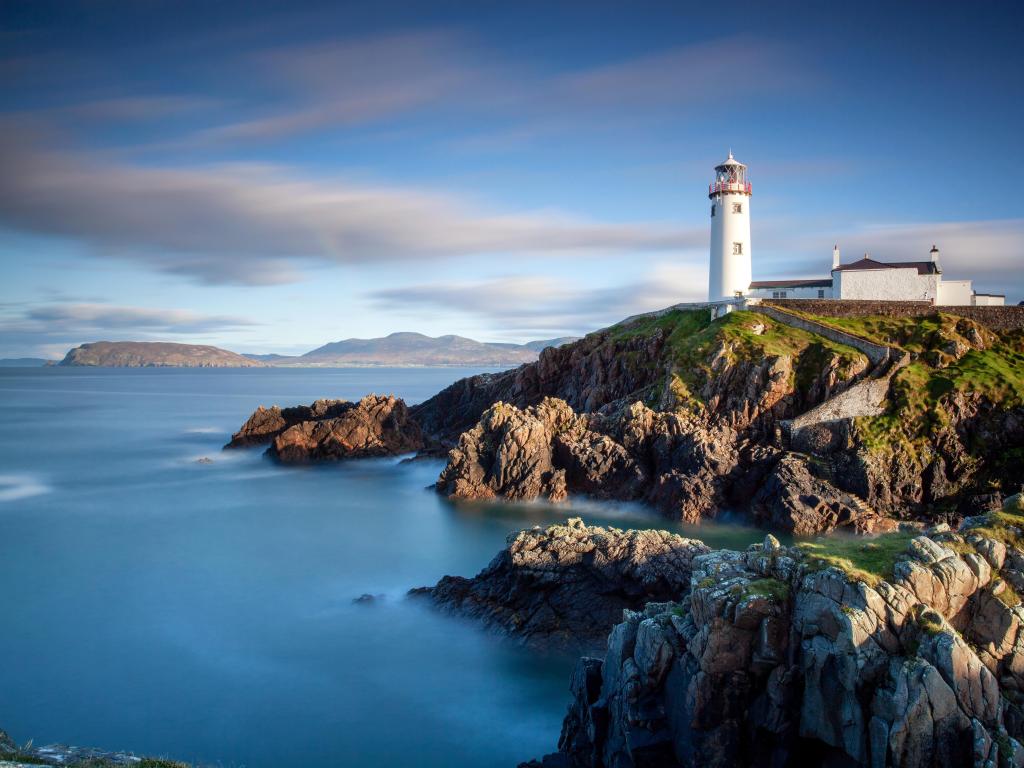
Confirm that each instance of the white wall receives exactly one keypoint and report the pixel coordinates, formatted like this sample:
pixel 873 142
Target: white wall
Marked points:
pixel 955 293
pixel 728 272
pixel 791 293
pixel 988 301
pixel 885 285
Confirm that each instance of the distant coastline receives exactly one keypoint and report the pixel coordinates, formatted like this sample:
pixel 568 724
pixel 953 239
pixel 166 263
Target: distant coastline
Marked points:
pixel 398 350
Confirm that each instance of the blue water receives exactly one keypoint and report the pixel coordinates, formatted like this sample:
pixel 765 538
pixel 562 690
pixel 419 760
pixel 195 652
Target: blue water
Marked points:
pixel 205 611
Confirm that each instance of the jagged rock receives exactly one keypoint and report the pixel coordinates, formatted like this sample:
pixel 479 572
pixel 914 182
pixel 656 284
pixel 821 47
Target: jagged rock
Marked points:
pixel 569 584
pixel 793 499
pixel 509 453
pixel 547 451
pixel 267 423
pixel 769 661
pixel 377 425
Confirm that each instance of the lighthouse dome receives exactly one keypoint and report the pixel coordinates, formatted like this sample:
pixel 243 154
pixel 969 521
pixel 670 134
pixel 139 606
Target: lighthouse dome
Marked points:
pixel 730 162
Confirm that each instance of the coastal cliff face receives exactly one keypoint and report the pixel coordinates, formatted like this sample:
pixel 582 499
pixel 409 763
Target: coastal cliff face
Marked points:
pixel 697 426
pixel 692 416
pixel 743 370
pixel 902 651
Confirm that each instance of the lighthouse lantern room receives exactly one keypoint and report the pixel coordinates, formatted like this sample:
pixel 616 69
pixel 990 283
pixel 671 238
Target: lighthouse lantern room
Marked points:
pixel 730 265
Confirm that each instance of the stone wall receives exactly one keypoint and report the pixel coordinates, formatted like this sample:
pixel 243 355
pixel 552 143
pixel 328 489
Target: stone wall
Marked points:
pixel 1008 318
pixel 878 354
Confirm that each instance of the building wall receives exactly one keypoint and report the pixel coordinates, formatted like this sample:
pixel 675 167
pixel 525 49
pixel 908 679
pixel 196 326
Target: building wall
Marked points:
pixel 955 293
pixel 885 285
pixel 791 293
pixel 729 272
pixel 982 300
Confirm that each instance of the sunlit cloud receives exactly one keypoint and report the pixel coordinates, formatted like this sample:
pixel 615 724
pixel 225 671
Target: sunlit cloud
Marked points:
pixel 517 305
pixel 253 225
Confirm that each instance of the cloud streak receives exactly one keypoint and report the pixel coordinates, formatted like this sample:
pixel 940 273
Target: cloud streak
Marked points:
pixel 518 305
pixel 51 329
pixel 251 225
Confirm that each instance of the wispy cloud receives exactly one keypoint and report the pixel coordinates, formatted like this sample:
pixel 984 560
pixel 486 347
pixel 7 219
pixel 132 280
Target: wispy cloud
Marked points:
pixel 691 75
pixel 518 305
pixel 51 329
pixel 350 81
pixel 250 224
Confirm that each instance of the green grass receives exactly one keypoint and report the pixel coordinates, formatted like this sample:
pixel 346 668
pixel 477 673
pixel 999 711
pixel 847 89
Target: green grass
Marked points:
pixel 1005 526
pixel 868 560
pixel 929 621
pixel 678 322
pixel 695 343
pixel 775 590
pixel 1008 596
pixel 920 393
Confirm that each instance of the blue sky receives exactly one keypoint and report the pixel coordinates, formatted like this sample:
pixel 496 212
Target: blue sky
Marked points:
pixel 272 176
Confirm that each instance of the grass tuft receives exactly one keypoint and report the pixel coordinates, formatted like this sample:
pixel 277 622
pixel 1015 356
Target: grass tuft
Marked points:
pixel 868 560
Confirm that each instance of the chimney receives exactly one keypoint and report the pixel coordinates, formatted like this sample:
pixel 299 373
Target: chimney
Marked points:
pixel 835 256
pixel 935 255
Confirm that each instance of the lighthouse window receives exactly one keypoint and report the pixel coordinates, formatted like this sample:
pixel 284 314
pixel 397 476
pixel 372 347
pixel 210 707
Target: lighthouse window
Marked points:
pixel 737 249
pixel 737 207
pixel 712 210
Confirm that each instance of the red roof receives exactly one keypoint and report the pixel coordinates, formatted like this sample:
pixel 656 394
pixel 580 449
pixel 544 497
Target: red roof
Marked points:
pixel 824 283
pixel 922 267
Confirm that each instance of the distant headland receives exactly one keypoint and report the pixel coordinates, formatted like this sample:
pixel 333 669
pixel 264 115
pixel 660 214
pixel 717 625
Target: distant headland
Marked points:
pixel 397 349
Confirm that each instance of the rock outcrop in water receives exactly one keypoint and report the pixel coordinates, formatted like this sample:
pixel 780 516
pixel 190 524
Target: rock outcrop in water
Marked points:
pixel 267 423
pixel 568 584
pixel 378 425
pixel 908 654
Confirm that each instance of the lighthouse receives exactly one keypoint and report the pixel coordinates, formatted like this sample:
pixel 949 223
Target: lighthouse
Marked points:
pixel 730 266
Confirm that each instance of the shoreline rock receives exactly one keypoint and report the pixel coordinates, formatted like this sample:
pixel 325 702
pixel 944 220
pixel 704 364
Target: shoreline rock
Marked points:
pixel 770 657
pixel 567 585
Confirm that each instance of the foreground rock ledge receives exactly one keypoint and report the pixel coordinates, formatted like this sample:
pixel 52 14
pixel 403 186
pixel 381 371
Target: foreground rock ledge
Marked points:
pixel 378 425
pixel 769 659
pixel 567 585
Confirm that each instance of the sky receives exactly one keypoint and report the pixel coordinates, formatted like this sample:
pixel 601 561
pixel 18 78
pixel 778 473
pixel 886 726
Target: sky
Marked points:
pixel 269 177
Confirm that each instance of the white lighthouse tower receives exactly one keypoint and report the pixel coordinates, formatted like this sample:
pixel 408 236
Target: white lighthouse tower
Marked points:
pixel 730 272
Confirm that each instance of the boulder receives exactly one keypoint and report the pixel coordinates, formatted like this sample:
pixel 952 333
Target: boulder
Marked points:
pixel 377 425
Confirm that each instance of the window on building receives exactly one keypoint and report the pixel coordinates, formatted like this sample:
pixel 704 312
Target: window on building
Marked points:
pixel 737 249
pixel 778 294
pixel 712 210
pixel 737 207
pixel 821 293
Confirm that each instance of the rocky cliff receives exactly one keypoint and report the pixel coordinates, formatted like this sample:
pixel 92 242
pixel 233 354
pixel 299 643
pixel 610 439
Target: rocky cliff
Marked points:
pixel 902 651
pixel 694 416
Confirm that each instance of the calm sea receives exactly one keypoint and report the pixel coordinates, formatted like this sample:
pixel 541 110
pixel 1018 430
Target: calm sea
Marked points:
pixel 149 602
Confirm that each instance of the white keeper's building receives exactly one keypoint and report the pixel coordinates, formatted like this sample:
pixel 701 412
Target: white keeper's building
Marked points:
pixel 730 273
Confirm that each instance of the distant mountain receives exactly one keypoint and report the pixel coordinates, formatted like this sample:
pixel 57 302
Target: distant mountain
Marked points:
pixel 417 349
pixel 24 362
pixel 398 349
pixel 155 354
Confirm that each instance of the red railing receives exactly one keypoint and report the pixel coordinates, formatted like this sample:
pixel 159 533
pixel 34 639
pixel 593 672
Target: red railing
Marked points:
pixel 717 187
